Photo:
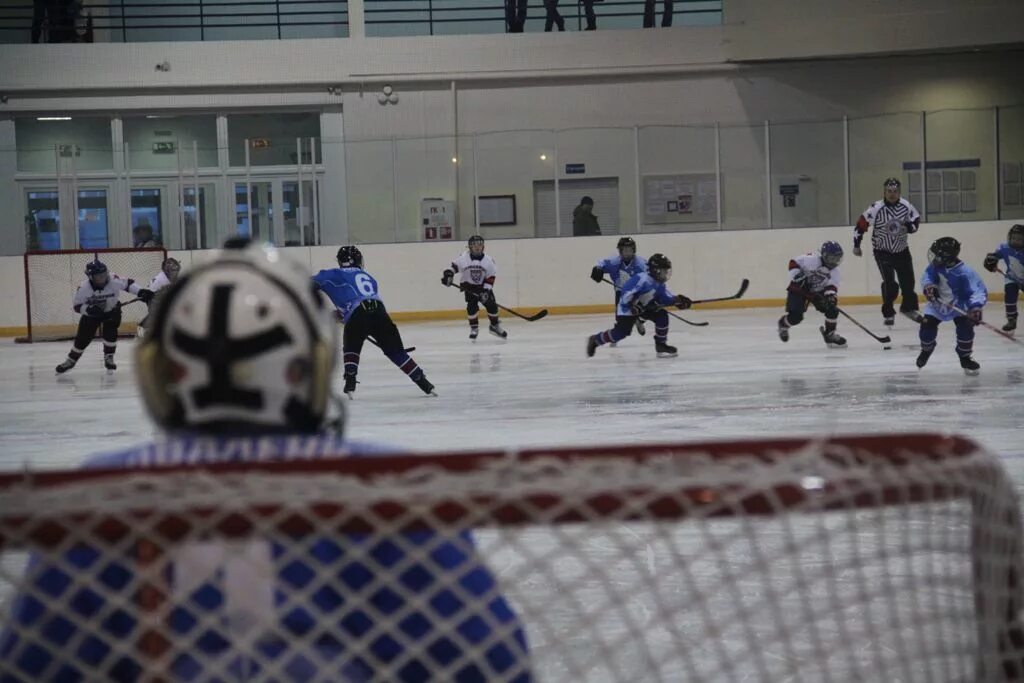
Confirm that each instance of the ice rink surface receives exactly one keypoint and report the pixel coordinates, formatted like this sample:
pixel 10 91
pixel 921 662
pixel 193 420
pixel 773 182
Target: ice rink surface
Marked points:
pixel 732 379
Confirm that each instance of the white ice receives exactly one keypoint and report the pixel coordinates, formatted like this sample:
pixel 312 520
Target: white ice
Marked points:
pixel 732 379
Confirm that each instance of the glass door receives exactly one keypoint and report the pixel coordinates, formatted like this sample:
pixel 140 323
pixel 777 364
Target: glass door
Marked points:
pixel 93 227
pixel 42 220
pixel 255 218
pixel 147 216
pixel 299 213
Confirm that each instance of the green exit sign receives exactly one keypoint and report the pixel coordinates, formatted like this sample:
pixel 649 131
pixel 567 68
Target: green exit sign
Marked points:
pixel 163 148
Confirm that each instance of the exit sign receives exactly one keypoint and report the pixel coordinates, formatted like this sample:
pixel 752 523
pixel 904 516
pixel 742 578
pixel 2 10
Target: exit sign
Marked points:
pixel 259 143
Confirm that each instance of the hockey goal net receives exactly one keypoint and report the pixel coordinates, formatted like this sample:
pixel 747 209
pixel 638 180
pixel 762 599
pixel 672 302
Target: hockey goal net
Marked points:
pixel 52 277
pixel 868 559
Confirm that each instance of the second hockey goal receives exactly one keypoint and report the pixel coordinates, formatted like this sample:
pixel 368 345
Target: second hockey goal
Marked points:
pixel 51 278
pixel 867 559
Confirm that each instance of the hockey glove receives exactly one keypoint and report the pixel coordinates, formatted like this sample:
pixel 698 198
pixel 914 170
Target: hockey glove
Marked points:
pixel 857 251
pixel 145 295
pixel 991 262
pixel 596 274
pixel 683 302
pixel 975 315
pixel 95 311
pixel 448 277
pixel 931 292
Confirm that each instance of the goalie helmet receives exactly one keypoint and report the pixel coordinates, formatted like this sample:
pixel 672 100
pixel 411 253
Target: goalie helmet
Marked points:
pixel 242 343
pixel 1015 238
pixel 350 257
pixel 171 268
pixel 944 251
pixel 831 254
pixel 660 267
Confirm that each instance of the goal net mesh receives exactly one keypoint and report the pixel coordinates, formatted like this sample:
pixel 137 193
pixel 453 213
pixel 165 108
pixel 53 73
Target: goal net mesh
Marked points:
pixel 52 277
pixel 867 558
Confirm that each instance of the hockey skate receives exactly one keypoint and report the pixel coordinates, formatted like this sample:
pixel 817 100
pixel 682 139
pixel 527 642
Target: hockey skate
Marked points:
pixel 1011 325
pixel 832 339
pixel 783 329
pixel 914 315
pixel 665 351
pixel 350 386
pixel 640 329
pixel 474 332
pixel 497 331
pixel 65 366
pixel 426 386
pixel 889 321
pixel 591 345
pixel 922 358
pixel 108 362
pixel 969 365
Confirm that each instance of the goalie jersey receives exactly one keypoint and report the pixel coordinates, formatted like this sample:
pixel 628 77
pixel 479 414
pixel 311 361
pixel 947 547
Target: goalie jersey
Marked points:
pixel 255 610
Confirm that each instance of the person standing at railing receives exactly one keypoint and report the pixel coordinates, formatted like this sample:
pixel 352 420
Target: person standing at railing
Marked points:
pixel 553 17
pixel 649 12
pixel 59 17
pixel 588 11
pixel 515 15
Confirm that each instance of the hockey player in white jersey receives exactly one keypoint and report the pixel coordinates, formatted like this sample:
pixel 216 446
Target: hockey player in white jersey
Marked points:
pixel 477 272
pixel 97 301
pixel 814 279
pixel 948 280
pixel 167 276
pixel 620 268
pixel 238 368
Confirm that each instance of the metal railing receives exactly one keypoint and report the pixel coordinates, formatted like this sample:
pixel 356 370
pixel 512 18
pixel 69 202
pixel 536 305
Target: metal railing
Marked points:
pixel 193 20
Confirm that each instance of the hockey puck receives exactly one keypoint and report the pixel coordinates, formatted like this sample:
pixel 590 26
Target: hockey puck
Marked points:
pixel 887 348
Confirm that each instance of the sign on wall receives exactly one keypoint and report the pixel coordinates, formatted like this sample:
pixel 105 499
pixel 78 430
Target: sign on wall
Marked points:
pixel 437 218
pixel 680 198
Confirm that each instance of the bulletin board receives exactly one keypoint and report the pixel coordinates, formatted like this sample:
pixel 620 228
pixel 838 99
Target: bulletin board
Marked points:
pixel 680 198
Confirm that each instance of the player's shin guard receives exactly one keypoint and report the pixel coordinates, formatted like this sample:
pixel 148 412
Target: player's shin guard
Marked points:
pixel 964 337
pixel 351 363
pixel 1012 291
pixel 406 364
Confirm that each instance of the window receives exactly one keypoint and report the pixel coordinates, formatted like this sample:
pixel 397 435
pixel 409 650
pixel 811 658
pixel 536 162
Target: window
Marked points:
pixel 92 219
pixel 42 222
pixel 146 223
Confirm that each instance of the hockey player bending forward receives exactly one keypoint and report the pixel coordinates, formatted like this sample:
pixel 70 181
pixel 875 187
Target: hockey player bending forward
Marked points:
pixel 643 296
pixel 167 276
pixel 357 297
pixel 237 368
pixel 620 268
pixel 814 279
pixel 97 301
pixel 947 279
pixel 478 272
pixel 1011 253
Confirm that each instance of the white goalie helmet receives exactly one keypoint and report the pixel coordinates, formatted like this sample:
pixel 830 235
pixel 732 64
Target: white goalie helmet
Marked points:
pixel 241 343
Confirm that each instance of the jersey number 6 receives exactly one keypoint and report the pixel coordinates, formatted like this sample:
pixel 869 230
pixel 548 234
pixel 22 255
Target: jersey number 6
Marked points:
pixel 366 285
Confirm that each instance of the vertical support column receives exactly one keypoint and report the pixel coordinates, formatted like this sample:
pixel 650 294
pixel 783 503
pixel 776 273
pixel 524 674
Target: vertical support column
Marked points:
pixel 315 211
pixel 846 167
pixel 456 219
pixel 718 175
pixel 638 187
pixel 119 227
pixel 998 164
pixel 128 197
pixel 298 173
pixel 356 19
pixel 924 169
pixel 182 243
pixel 768 171
pixel 74 196
pixel 227 217
pixel 558 199
pixel 394 189
pixel 476 189
pixel 333 206
pixel 195 197
pixel 248 190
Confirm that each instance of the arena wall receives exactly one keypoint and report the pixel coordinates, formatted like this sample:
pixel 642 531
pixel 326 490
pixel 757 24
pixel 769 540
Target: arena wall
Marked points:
pixel 554 273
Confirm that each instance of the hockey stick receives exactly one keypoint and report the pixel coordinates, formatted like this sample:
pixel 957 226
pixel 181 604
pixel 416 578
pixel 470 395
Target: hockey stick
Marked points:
pixel 528 318
pixel 1005 335
pixel 882 340
pixel 373 341
pixel 737 295
pixel 674 315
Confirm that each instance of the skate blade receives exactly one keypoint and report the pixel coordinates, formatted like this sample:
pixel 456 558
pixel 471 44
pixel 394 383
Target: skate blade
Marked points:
pixel 971 373
pixel 662 354
pixel 351 395
pixel 836 346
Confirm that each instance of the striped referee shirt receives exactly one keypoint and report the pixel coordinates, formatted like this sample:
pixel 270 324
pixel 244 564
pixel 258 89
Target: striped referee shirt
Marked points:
pixel 891 222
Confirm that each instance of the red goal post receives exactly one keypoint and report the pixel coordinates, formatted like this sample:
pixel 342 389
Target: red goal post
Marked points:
pixel 51 278
pixel 860 558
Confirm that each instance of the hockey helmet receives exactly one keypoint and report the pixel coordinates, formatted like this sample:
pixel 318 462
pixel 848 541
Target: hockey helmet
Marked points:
pixel 1015 238
pixel 944 251
pixel 97 273
pixel 626 243
pixel 242 343
pixel 476 245
pixel 171 268
pixel 350 257
pixel 831 254
pixel 660 267
pixel 891 189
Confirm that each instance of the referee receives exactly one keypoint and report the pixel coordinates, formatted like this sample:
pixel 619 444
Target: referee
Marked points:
pixel 892 219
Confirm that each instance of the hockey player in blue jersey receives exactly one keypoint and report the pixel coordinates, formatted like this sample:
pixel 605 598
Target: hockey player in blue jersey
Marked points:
pixel 237 367
pixel 620 268
pixel 357 297
pixel 948 280
pixel 1011 253
pixel 643 296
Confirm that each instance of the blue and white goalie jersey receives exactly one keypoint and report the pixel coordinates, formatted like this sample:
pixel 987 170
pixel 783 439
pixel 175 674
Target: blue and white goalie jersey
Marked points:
pixel 341 607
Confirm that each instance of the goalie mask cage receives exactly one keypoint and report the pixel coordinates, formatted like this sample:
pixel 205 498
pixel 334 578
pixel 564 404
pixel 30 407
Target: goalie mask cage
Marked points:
pixel 890 558
pixel 52 277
